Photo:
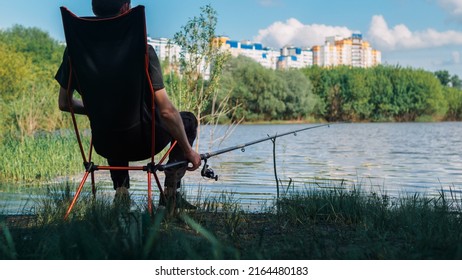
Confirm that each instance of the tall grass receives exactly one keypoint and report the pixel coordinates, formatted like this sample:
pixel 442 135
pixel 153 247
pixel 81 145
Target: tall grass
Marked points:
pixel 312 224
pixel 100 229
pixel 42 157
pixel 378 226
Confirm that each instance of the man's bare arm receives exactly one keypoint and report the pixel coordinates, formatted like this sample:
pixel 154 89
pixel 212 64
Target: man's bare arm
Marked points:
pixel 63 103
pixel 175 127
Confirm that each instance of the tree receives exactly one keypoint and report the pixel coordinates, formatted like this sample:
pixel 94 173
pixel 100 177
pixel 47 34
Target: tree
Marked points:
pixel 200 55
pixel 15 73
pixel 355 93
pixel 456 82
pixel 29 59
pixel 300 102
pixel 36 44
pixel 262 94
pixel 443 76
pixel 319 80
pixel 233 84
pixel 454 99
pixel 381 94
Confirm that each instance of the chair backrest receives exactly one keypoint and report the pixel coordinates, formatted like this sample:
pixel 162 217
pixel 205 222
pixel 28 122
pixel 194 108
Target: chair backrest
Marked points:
pixel 109 60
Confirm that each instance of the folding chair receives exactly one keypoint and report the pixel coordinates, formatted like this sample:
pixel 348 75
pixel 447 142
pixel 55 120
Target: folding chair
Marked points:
pixel 109 60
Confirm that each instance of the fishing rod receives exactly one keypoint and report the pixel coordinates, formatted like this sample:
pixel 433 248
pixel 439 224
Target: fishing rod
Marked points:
pixel 209 173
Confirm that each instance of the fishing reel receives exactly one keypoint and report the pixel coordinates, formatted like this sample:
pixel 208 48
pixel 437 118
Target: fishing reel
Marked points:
pixel 207 172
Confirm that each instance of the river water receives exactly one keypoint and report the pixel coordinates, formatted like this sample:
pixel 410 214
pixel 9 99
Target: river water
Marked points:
pixel 395 159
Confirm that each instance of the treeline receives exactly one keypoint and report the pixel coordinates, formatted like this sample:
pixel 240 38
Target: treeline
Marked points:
pixel 383 93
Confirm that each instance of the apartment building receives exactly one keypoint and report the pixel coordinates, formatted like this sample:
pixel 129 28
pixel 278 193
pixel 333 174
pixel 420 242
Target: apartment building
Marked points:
pixel 264 56
pixel 352 51
pixel 293 57
pixel 336 51
pixel 165 49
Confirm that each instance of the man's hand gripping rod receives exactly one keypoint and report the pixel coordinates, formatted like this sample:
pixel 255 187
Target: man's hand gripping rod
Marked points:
pixel 209 173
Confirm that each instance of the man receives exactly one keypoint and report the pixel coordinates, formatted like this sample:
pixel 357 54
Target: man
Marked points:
pixel 172 124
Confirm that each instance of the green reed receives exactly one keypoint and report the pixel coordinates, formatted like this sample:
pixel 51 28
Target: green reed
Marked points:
pixel 39 158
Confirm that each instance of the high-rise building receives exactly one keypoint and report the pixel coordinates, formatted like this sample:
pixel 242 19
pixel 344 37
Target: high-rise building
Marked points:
pixel 352 51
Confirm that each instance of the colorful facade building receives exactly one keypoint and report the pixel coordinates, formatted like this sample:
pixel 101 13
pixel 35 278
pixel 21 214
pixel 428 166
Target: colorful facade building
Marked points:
pixel 293 57
pixel 267 57
pixel 352 51
pixel 336 51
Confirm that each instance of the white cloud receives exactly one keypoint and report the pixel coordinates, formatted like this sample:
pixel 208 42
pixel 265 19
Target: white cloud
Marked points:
pixel 293 32
pixel 453 7
pixel 383 37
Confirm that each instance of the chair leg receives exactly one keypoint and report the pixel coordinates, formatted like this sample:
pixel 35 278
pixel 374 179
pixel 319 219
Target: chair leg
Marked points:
pixel 149 194
pixel 159 186
pixel 93 186
pixel 76 195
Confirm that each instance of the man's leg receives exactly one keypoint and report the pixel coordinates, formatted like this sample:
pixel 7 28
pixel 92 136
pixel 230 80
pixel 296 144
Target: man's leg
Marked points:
pixel 173 176
pixel 120 179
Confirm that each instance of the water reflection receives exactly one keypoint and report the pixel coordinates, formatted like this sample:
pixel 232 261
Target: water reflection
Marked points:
pixel 399 158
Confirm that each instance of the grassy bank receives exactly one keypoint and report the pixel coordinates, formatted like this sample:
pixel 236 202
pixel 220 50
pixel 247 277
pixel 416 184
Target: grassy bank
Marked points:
pixel 314 224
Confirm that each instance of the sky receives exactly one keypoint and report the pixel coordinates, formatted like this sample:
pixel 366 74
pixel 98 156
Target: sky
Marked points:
pixel 423 34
